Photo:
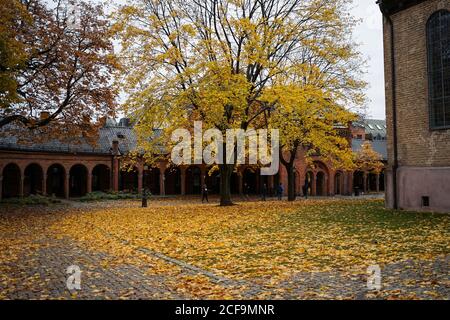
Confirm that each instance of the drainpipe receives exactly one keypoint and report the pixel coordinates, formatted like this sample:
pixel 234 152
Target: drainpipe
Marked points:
pixel 394 105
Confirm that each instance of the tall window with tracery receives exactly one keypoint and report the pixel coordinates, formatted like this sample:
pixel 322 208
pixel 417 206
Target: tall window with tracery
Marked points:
pixel 438 34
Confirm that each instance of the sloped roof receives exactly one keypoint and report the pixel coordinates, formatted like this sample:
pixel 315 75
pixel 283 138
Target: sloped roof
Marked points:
pixel 378 146
pixel 374 127
pixel 107 134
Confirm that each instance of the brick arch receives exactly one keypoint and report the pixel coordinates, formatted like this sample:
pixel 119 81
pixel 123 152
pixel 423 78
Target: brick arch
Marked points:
pixel 101 177
pixel 322 177
pixel 193 178
pixel 11 180
pixel 78 180
pixel 56 177
pixel 129 179
pixel 338 182
pixel 33 182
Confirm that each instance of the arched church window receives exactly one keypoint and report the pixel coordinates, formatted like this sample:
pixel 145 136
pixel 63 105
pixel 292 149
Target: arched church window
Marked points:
pixel 438 41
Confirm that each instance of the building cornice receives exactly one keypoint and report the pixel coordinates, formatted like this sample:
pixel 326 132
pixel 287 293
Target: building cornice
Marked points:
pixel 390 7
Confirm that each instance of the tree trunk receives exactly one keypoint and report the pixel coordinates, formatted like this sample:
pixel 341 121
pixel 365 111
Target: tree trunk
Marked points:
pixel 290 168
pixel 225 180
pixel 291 182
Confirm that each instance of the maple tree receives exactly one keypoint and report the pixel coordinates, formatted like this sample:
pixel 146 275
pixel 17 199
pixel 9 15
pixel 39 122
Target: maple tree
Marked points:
pixel 219 62
pixel 367 159
pixel 57 78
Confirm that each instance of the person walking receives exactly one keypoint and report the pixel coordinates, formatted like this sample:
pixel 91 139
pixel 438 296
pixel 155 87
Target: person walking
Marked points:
pixel 205 193
pixel 264 192
pixel 280 191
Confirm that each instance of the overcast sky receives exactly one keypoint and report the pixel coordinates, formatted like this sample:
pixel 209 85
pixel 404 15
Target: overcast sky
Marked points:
pixel 369 35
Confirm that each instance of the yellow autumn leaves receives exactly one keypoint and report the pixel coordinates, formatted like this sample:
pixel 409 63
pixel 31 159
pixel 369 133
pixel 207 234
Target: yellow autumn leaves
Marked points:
pixel 260 240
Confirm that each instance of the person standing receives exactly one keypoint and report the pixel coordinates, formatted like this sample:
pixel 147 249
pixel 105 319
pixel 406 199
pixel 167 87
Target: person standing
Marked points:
pixel 280 191
pixel 205 193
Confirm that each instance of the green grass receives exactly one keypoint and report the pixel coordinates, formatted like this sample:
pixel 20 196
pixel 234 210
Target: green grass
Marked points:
pixel 31 200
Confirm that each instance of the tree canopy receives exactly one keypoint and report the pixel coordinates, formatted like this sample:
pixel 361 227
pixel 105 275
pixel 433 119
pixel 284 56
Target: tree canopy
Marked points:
pixel 56 68
pixel 237 64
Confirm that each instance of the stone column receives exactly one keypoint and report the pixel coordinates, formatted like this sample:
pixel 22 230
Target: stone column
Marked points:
pixel 44 184
pixel 314 184
pixel 115 174
pixel 331 181
pixel 183 181
pixel 162 178
pixel 22 179
pixel 350 183
pixel 66 186
pixel 89 181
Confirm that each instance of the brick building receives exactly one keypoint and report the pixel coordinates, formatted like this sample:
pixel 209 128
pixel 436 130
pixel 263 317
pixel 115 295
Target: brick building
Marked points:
pixel 72 170
pixel 417 69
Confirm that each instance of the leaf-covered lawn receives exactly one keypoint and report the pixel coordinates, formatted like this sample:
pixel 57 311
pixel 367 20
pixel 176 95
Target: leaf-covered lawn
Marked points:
pixel 267 240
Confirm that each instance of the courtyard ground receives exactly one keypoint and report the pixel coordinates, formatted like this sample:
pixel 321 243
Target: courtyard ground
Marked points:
pixel 181 249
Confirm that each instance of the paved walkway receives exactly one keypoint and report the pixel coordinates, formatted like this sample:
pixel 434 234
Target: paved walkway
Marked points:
pixel 42 275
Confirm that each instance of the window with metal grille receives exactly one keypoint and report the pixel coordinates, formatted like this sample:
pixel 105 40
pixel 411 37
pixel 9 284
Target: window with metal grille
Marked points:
pixel 438 34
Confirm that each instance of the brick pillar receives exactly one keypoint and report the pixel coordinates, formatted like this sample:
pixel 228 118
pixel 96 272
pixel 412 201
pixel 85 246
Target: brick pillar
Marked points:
pixel 314 184
pixel 44 184
pixel 332 188
pixel 22 179
pixel 162 184
pixel 183 181
pixel 115 174
pixel 66 186
pixel 89 181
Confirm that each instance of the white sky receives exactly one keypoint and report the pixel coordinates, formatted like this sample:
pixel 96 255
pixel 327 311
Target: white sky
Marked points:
pixel 370 37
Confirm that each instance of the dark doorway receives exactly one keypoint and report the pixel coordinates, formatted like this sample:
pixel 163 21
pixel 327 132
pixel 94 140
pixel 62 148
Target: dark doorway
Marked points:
pixel 129 179
pixel 101 176
pixel 193 180
pixel 172 180
pixel 11 181
pixel 152 180
pixel 321 184
pixel 78 181
pixel 33 179
pixel 55 180
pixel 338 183
pixel 250 179
pixel 212 180
pixel 358 180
